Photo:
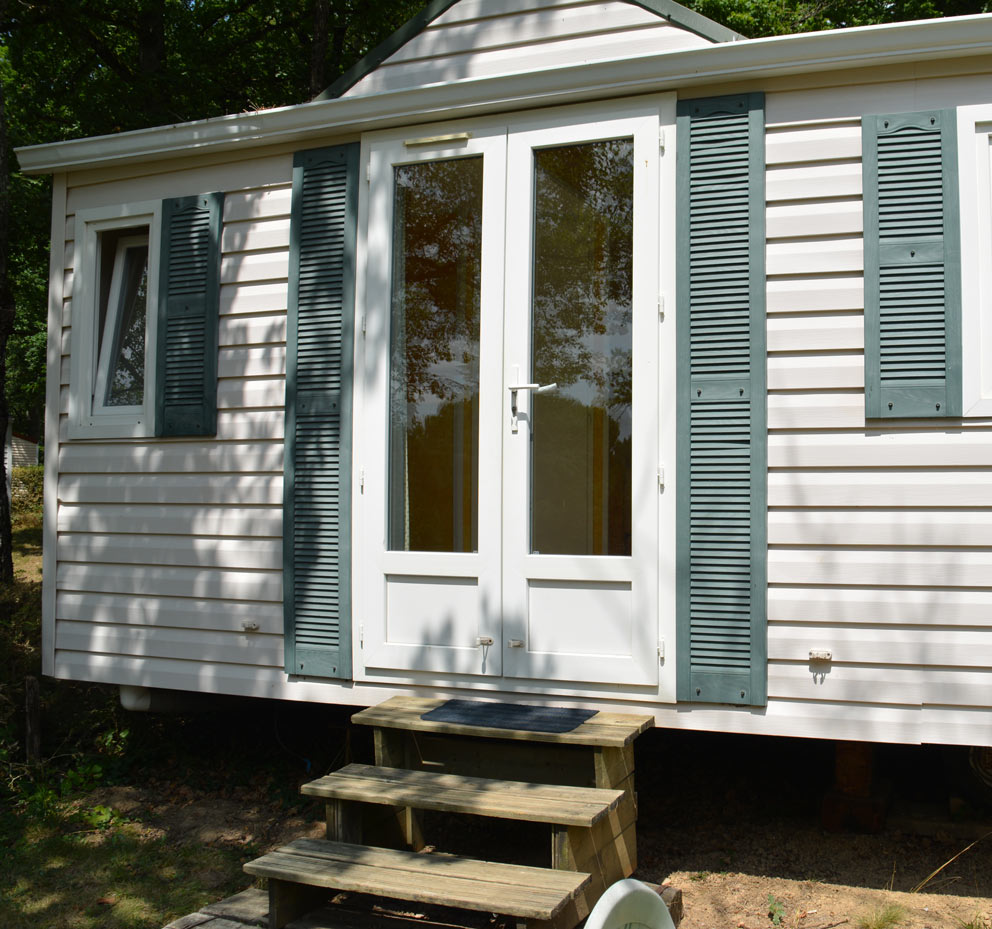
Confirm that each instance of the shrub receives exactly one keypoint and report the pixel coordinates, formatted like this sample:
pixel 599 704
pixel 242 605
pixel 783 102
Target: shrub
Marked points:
pixel 27 489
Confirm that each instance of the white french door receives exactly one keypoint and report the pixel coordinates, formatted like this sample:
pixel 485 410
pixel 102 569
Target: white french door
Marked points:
pixel 508 515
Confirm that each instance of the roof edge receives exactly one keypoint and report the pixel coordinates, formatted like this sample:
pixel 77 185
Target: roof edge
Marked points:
pixel 367 64
pixel 674 12
pixel 756 59
pixel 691 20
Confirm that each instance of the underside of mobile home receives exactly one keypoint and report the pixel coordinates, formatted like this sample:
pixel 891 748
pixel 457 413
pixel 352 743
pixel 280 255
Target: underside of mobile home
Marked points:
pixel 566 352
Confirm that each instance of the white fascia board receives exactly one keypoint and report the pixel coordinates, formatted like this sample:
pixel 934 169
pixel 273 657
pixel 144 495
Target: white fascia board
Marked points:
pixel 753 59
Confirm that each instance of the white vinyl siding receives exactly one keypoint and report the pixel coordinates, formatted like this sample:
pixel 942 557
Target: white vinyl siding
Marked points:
pixel 166 548
pixel 880 540
pixel 495 38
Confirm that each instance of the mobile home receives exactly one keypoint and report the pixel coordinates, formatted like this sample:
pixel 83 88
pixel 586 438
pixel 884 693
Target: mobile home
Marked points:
pixel 580 353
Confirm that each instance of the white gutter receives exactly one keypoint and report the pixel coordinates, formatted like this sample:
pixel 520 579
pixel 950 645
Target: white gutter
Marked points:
pixel 753 59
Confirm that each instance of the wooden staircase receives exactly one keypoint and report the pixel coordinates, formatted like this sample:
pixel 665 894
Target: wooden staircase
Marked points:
pixel 375 831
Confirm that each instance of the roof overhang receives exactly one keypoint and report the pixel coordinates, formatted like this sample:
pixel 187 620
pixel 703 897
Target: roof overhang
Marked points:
pixel 867 46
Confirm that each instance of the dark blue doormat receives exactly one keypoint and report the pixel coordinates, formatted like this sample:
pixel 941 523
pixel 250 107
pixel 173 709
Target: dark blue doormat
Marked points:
pixel 509 716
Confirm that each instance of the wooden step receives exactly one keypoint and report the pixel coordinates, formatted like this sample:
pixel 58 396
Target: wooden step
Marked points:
pixel 537 894
pixel 604 729
pixel 479 796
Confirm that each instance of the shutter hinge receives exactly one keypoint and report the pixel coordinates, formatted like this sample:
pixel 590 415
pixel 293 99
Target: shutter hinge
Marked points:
pixel 368 172
pixel 363 321
pixel 361 635
pixel 361 480
pixel 661 308
pixel 661 140
pixel 661 650
pixel 661 478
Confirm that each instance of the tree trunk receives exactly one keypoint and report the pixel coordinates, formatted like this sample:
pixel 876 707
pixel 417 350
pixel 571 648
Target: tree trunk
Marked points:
pixel 6 328
pixel 318 46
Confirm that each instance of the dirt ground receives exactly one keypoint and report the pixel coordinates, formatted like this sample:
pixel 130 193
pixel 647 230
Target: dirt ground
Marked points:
pixel 734 822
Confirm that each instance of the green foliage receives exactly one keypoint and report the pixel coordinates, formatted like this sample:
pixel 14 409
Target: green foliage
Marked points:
pixel 776 910
pixel 27 490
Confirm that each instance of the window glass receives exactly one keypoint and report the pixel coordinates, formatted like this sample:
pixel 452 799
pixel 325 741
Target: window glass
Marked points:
pixel 434 356
pixel 126 374
pixel 120 372
pixel 582 341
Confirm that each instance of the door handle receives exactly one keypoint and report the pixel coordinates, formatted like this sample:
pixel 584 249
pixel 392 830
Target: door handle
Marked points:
pixel 516 643
pixel 537 388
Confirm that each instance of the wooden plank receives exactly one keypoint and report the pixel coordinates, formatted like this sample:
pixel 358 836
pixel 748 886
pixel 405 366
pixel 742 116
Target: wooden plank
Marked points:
pixel 804 182
pixel 897 528
pixel 532 893
pixel 808 371
pixel 252 267
pixel 176 489
pixel 250 522
pixel 881 488
pixel 253 330
pixel 252 361
pixel 841 255
pixel 853 567
pixel 832 142
pixel 812 293
pixel 615 729
pixel 819 217
pixel 157 457
pixel 425 790
pixel 255 235
pixel 819 332
pixel 259 203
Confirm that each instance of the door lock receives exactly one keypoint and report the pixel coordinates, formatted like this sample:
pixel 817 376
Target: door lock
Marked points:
pixel 484 640
pixel 516 643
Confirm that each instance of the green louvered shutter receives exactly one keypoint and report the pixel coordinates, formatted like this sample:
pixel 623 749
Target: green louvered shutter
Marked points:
pixel 912 266
pixel 189 298
pixel 317 500
pixel 721 502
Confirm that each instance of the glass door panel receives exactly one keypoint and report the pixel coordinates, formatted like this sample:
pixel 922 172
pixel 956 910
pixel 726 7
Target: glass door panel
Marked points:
pixel 432 362
pixel 434 356
pixel 582 342
pixel 580 538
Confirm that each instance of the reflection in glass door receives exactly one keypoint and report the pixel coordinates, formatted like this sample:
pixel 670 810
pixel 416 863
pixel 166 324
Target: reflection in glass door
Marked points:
pixel 581 341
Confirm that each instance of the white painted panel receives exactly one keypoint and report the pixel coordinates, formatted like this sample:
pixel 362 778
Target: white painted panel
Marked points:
pixel 955 726
pixel 414 618
pixel 254 298
pixel 152 458
pixel 877 488
pixel 816 333
pixel 814 294
pixel 880 527
pixel 121 548
pixel 527 59
pixel 229 176
pixel 829 142
pixel 262 203
pixel 223 489
pixel 227 647
pixel 214 583
pixel 252 362
pixel 175 612
pixel 255 234
pixel 936 449
pixel 816 411
pixel 815 372
pixel 245 267
pixel 239 425
pixel 827 217
pixel 444 39
pixel 591 619
pixel 179 520
pixel 877 605
pixel 842 255
pixel 911 568
pixel 884 645
pixel 252 330
pixel 803 182
pixel 238 393
pixel 841 682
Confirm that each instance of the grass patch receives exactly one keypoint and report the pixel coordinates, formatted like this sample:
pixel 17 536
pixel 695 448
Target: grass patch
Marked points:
pixel 62 875
pixel 885 917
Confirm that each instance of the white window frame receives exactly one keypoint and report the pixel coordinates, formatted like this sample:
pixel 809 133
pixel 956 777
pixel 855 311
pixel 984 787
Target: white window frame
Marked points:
pixel 89 419
pixel 975 184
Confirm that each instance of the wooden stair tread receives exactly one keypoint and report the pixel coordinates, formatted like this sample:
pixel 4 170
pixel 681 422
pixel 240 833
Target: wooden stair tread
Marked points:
pixel 604 729
pixel 513 890
pixel 427 790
